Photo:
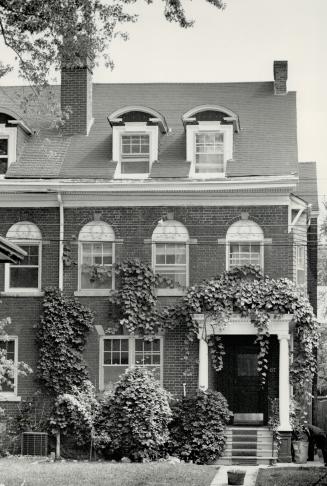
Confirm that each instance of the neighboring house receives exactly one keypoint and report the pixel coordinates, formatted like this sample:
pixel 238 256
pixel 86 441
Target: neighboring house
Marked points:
pixel 193 178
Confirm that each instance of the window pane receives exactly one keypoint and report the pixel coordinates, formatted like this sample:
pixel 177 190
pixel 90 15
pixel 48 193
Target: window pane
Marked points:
pixel 107 344
pixel 9 347
pixel 138 344
pixel 3 165
pixel 124 357
pixel 156 345
pixel 3 146
pixel 124 344
pixel 111 375
pixel 115 357
pixel 24 277
pixel 116 344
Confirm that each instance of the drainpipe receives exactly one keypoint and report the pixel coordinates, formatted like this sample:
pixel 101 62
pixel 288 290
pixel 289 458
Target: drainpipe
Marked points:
pixel 61 242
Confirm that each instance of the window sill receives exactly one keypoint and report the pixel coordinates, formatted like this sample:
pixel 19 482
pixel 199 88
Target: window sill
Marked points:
pixel 22 293
pixel 93 293
pixel 170 292
pixel 10 398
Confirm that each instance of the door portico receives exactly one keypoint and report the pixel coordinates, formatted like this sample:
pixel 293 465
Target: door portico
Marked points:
pixel 242 326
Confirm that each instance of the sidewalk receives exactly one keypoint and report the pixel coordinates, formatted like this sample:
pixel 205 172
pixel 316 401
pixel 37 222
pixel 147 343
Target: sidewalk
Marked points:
pixel 252 471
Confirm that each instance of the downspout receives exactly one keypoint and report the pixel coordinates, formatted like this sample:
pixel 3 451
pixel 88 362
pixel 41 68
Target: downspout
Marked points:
pixel 61 242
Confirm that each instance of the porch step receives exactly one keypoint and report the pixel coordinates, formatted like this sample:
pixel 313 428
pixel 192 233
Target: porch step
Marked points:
pixel 248 445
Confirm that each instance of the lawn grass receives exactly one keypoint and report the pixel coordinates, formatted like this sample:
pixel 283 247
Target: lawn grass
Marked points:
pixel 14 471
pixel 292 477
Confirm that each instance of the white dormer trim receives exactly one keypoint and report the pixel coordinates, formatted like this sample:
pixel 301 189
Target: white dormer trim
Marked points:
pixel 115 117
pixel 9 133
pixel 136 128
pixel 206 126
pixel 188 117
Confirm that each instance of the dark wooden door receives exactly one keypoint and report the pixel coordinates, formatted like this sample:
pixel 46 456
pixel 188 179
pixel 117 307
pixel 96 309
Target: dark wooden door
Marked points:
pixel 239 380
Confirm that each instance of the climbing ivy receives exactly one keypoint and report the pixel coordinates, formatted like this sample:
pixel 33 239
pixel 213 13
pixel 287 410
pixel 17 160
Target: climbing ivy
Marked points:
pixel 244 291
pixel 61 337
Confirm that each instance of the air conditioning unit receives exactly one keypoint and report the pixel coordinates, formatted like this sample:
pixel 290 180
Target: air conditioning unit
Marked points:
pixel 34 444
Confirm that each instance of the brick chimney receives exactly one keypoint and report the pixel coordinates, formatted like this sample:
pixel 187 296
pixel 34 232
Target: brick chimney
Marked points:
pixel 280 77
pixel 76 95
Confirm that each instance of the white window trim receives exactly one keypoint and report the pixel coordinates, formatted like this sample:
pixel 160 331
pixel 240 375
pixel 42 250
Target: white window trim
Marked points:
pixel 94 292
pixel 131 354
pixel 10 133
pixel 14 290
pixel 12 396
pixel 134 128
pixel 178 291
pixel 193 130
pixel 245 242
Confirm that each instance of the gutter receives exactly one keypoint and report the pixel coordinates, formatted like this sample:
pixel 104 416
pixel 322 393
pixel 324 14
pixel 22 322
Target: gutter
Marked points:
pixel 61 242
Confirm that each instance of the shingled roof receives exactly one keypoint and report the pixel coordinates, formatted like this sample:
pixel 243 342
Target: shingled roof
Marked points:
pixel 265 145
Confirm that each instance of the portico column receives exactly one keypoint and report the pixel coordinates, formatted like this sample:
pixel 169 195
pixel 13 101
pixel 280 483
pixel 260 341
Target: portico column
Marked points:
pixel 284 383
pixel 203 363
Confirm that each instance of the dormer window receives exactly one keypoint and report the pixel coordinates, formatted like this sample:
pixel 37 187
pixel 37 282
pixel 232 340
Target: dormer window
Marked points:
pixel 8 136
pixel 135 153
pixel 135 137
pixel 209 140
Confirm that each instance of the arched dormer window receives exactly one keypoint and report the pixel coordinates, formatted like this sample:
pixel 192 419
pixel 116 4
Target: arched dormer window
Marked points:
pixel 209 139
pixel 135 140
pixel 245 245
pixel 170 255
pixel 96 257
pixel 26 275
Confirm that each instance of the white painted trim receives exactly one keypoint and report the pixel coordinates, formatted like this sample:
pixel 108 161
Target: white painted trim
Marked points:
pixel 20 290
pixel 10 133
pixel 192 131
pixel 131 353
pixel 221 109
pixel 136 129
pixel 144 109
pixel 94 292
pixel 239 326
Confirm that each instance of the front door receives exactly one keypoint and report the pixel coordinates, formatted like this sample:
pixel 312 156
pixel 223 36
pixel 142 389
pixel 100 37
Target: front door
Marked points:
pixel 239 380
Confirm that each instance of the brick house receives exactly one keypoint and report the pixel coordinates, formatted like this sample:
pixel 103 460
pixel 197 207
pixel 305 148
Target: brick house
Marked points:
pixel 192 178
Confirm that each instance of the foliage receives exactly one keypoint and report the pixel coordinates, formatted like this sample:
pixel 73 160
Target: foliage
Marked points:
pixel 7 366
pixel 198 425
pixel 74 413
pixel 133 421
pixel 247 292
pixel 273 421
pixel 136 299
pixel 322 363
pixel 43 32
pixel 32 415
pixel 61 337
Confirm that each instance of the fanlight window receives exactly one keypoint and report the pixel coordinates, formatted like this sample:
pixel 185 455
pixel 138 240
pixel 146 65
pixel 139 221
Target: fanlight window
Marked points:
pixel 170 252
pixel 26 275
pixel 245 244
pixel 96 256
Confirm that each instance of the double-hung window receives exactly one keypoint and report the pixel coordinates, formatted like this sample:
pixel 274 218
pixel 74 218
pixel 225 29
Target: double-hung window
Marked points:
pixel 135 153
pixel 209 145
pixel 9 363
pixel 26 275
pixel 96 258
pixel 118 353
pixel 4 154
pixel 209 153
pixel 244 245
pixel 135 148
pixel 170 256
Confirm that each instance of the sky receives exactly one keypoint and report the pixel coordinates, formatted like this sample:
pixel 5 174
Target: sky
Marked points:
pixel 237 44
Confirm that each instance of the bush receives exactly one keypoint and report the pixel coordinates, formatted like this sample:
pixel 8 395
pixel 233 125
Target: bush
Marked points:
pixel 198 425
pixel 133 421
pixel 74 413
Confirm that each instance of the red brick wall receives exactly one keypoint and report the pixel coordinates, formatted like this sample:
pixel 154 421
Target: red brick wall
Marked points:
pixel 133 225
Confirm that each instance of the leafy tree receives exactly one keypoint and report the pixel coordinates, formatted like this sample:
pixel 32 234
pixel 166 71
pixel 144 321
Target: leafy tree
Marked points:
pixel 43 32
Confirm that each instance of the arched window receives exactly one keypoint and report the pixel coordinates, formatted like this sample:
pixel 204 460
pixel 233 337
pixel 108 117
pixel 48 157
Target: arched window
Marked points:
pixel 96 257
pixel 170 255
pixel 25 276
pixel 244 244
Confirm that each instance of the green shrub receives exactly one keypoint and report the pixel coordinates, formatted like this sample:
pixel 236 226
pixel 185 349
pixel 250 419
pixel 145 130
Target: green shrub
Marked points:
pixel 198 425
pixel 74 413
pixel 133 421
